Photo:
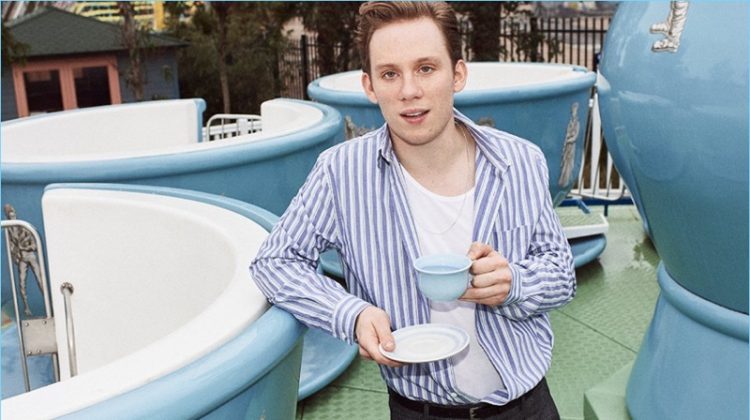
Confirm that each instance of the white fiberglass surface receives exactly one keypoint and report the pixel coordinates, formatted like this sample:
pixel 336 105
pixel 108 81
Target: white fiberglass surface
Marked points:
pixel 158 282
pixel 153 130
pixel 281 116
pixel 482 76
pixel 486 76
pixel 101 131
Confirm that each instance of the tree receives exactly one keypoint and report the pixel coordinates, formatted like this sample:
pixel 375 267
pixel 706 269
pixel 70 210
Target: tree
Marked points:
pixel 528 39
pixel 484 37
pixel 13 51
pixel 135 40
pixel 335 24
pixel 250 43
pixel 484 33
pixel 222 10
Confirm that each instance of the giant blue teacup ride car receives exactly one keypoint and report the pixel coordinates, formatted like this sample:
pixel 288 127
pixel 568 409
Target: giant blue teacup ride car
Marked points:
pixel 674 104
pixel 157 148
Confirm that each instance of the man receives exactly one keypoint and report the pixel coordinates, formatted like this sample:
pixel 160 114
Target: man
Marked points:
pixel 428 181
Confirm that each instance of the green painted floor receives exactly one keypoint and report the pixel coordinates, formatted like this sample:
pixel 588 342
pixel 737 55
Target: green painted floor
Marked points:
pixel 596 334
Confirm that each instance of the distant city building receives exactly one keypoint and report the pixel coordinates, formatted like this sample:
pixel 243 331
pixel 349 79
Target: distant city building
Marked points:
pixel 13 10
pixel 150 14
pixel 575 8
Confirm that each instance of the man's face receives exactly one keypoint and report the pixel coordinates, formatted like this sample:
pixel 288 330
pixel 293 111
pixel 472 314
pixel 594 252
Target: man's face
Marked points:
pixel 412 80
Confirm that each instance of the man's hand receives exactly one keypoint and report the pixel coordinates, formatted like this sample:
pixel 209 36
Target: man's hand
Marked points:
pixel 492 276
pixel 373 327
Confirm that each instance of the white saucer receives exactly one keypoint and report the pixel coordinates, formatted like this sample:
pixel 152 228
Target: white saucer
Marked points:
pixel 427 343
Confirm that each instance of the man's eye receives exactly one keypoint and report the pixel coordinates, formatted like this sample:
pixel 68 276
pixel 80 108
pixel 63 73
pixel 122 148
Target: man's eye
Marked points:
pixel 426 69
pixel 389 75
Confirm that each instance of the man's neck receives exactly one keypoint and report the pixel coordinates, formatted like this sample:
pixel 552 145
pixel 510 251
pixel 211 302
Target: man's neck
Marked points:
pixel 444 166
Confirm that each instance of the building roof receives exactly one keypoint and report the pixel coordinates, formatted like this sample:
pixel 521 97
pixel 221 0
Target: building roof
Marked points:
pixel 52 31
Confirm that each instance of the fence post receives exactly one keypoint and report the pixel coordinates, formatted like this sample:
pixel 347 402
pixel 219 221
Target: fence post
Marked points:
pixel 305 65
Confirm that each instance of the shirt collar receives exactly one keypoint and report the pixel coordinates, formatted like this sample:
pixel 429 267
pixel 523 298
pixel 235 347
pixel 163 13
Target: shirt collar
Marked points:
pixel 483 140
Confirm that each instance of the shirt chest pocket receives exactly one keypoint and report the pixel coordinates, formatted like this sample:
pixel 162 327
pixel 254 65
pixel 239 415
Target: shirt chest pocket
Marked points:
pixel 514 242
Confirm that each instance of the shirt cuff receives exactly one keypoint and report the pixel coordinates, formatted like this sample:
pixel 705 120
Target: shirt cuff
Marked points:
pixel 515 286
pixel 345 318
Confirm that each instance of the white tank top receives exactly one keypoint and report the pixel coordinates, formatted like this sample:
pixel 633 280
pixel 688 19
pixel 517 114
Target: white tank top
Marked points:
pixel 433 214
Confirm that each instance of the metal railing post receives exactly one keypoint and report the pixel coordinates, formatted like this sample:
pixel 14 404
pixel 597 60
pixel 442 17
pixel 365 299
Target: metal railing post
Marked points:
pixel 305 65
pixel 67 290
pixel 21 224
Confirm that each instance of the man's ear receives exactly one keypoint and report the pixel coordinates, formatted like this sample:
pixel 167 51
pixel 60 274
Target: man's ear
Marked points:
pixel 460 73
pixel 367 86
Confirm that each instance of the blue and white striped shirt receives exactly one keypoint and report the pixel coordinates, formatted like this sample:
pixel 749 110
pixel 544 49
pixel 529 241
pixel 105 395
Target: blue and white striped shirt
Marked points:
pixel 354 201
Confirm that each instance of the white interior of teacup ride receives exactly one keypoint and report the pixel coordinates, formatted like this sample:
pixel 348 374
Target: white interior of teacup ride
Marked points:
pixel 547 104
pixel 167 321
pixel 136 130
pixel 161 143
pixel 483 76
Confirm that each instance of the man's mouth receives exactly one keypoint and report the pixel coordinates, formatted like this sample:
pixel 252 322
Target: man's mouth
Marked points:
pixel 415 115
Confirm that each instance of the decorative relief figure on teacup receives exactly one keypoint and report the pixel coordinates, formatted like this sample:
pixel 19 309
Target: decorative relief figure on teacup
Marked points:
pixel 671 28
pixel 351 130
pixel 486 121
pixel 23 251
pixel 569 147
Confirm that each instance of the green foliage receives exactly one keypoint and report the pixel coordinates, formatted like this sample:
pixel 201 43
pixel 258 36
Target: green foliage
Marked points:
pixel 524 29
pixel 249 50
pixel 135 38
pixel 13 51
pixel 336 25
pixel 485 34
pixel 254 43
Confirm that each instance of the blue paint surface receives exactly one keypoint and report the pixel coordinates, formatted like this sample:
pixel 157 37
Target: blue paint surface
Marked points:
pixel 676 124
pixel 255 374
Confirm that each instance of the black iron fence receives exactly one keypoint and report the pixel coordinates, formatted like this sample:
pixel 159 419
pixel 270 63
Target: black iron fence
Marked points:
pixel 576 40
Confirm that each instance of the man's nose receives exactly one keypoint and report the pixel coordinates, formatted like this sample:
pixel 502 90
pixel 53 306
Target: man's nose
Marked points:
pixel 411 87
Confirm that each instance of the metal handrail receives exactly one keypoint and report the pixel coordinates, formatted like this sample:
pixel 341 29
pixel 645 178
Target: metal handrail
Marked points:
pixel 5 225
pixel 22 346
pixel 67 290
pixel 231 125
